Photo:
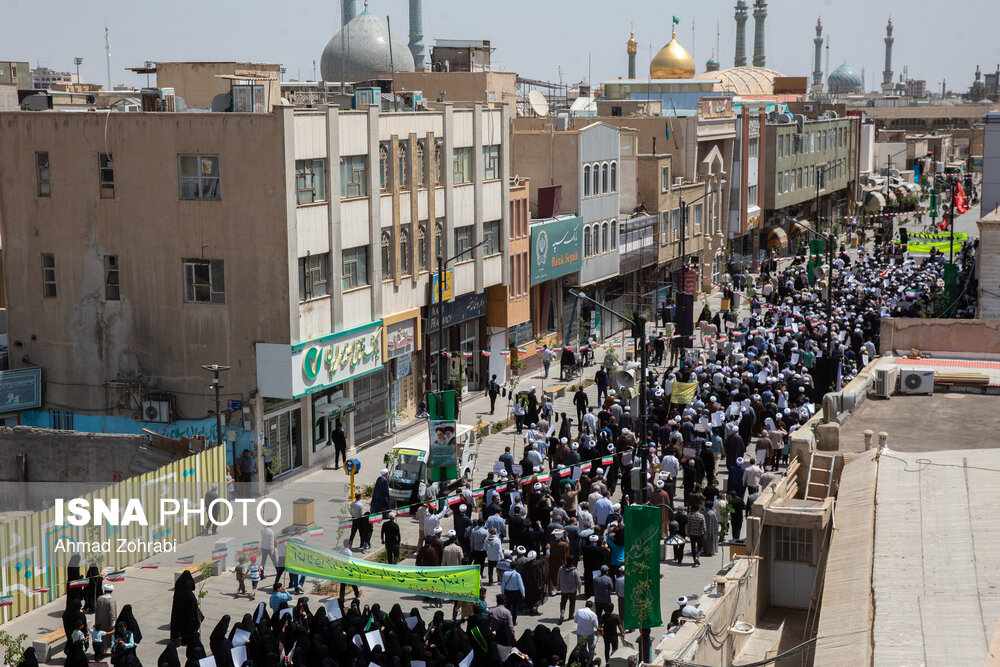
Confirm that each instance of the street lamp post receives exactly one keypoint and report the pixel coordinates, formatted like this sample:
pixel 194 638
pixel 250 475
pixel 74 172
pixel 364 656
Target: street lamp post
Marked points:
pixel 215 369
pixel 78 61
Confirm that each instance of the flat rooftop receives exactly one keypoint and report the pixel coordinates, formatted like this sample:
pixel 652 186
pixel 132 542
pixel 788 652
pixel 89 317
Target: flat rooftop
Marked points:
pixel 936 575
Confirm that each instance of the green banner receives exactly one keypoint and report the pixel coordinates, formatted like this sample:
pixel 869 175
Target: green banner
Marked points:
pixel 939 236
pixel 555 248
pixel 449 583
pixel 642 566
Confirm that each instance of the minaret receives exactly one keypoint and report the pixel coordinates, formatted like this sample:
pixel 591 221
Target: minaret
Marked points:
pixel 416 43
pixel 712 65
pixel 630 48
pixel 817 86
pixel 887 74
pixel 347 12
pixel 741 34
pixel 759 14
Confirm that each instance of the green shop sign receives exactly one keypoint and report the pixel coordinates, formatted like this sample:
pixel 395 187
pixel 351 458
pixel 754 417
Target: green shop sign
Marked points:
pixel 555 248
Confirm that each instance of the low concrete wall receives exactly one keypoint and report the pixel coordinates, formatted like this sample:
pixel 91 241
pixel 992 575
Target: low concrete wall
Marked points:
pixel 68 456
pixel 969 338
pixel 689 645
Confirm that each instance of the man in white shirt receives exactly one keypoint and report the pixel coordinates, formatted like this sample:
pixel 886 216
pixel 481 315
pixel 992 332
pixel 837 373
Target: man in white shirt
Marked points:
pixel 266 548
pixel 432 521
pixel 602 509
pixel 587 624
pixel 751 477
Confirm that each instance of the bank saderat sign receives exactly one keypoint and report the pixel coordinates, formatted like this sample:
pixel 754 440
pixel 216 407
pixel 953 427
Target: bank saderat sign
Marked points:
pixel 293 371
pixel 555 248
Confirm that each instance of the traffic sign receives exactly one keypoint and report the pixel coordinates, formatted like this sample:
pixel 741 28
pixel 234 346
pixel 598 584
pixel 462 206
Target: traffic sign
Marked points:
pixel 234 404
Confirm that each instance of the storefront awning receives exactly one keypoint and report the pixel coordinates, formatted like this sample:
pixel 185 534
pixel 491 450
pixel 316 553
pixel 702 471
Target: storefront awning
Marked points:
pixel 334 408
pixel 875 201
pixel 776 238
pixel 800 227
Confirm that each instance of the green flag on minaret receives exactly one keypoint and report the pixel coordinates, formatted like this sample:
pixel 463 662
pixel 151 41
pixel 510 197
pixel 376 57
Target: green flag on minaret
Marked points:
pixel 676 20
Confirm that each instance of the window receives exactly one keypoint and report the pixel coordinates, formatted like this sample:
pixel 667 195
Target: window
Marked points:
pixel 204 281
pixel 62 420
pixel 596 173
pixel 614 234
pixel 401 166
pixel 355 267
pixel 779 147
pixel 383 168
pixel 438 234
pixel 794 545
pixel 418 166
pixel 462 167
pixel 463 243
pixel 422 247
pixel 310 180
pixel 605 236
pixel 788 181
pixel 42 168
pixel 753 148
pixel 697 213
pixel 386 245
pixel 781 182
pixel 664 227
pixel 604 178
pixel 112 287
pixel 491 234
pixel 404 252
pixel 353 176
pixel 665 179
pixel 675 223
pixel 106 175
pixel 752 195
pixel 491 163
pixel 614 177
pixel 596 233
pixel 48 275
pixel 588 245
pixel 198 176
pixel 437 164
pixel 312 276
pixel 586 180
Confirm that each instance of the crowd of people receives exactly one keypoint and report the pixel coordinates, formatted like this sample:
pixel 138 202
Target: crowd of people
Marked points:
pixel 550 520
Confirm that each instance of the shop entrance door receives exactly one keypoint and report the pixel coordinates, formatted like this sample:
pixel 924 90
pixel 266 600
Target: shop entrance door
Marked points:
pixel 470 364
pixel 283 434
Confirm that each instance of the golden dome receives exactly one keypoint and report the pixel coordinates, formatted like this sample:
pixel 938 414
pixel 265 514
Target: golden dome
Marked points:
pixel 672 62
pixel 632 45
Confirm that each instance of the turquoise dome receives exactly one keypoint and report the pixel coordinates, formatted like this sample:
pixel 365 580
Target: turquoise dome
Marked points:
pixel 360 51
pixel 845 79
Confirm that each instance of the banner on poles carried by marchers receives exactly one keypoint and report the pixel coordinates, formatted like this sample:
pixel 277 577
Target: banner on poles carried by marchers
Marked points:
pixel 449 583
pixel 683 392
pixel 642 566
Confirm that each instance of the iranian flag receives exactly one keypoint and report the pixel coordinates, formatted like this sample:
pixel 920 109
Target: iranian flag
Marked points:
pixel 185 560
pixel 316 531
pixel 40 591
pixel 6 600
pixel 79 583
pixel 404 511
pixel 218 554
pixel 485 353
pixel 345 525
pixel 505 353
pixel 250 546
pixel 117 575
pixel 607 460
pixel 374 518
pixel 467 355
pixel 151 566
pixel 522 350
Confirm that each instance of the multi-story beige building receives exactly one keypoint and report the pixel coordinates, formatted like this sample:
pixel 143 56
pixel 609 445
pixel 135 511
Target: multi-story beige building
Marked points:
pixel 295 247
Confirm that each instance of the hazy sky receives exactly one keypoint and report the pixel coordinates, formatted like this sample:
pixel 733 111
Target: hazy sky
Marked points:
pixel 937 40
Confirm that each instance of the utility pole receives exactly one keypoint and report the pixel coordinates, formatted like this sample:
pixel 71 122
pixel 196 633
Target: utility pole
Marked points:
pixel 215 369
pixel 107 52
pixel 78 61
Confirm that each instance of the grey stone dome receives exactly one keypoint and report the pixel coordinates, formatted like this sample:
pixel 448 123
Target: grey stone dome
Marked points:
pixel 360 51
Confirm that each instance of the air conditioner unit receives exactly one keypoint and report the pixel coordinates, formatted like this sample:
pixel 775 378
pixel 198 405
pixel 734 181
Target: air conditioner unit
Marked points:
pixel 885 381
pixel 916 382
pixel 156 411
pixel 679 181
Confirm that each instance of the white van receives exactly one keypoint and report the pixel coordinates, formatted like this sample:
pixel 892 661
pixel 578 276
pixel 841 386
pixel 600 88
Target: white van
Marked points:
pixel 408 471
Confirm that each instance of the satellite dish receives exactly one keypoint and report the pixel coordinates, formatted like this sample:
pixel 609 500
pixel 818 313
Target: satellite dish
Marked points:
pixel 538 103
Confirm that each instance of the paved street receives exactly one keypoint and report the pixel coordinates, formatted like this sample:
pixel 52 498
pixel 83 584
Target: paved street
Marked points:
pixel 149 590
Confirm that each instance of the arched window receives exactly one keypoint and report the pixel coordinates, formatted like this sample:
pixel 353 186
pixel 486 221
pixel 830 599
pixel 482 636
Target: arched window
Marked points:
pixel 404 252
pixel 418 166
pixel 438 231
pixel 422 247
pixel 614 223
pixel 614 177
pixel 588 243
pixel 437 164
pixel 401 166
pixel 597 179
pixel 604 178
pixel 596 232
pixel 386 256
pixel 586 180
pixel 605 238
pixel 383 168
